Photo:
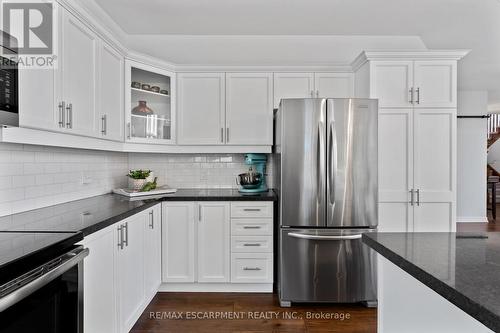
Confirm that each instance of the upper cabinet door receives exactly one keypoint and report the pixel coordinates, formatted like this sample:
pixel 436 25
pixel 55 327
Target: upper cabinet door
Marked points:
pixel 391 83
pixel 110 93
pixel 78 71
pixel 201 108
pixel 435 84
pixel 213 242
pixel 336 85
pixel 150 104
pixel 249 108
pixel 293 85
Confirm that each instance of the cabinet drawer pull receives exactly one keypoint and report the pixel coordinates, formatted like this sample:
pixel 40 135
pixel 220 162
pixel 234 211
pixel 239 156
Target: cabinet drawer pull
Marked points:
pixel 251 227
pixel 252 269
pixel 252 244
pixel 251 209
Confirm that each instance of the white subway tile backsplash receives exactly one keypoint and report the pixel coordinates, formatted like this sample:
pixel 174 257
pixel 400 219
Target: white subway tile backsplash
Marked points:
pixel 33 177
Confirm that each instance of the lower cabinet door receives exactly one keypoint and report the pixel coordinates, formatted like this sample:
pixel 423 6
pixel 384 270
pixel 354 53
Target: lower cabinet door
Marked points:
pixel 130 273
pixel 152 251
pixel 213 242
pixel 99 303
pixel 178 242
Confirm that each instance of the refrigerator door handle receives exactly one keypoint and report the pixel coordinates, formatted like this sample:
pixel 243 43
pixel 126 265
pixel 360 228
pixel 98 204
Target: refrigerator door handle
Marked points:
pixel 321 237
pixel 332 163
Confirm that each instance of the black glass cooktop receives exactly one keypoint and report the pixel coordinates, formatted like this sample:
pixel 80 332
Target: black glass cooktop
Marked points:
pixel 22 251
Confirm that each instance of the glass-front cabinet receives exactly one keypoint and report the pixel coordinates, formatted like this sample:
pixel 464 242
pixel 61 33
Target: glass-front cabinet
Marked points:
pixel 150 104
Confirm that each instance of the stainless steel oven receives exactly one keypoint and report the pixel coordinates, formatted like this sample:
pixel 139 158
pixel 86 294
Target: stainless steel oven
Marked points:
pixel 47 298
pixel 9 85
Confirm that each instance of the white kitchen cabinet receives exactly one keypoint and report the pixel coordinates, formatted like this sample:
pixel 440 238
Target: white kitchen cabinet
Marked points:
pixel 417 137
pixel 213 258
pixel 435 82
pixel 129 270
pixel 435 169
pixel 150 115
pixel 249 108
pixel 37 106
pixel 201 108
pixel 110 93
pixel 178 242
pixel 78 77
pixel 334 85
pixel 152 252
pixel 293 85
pixel 99 301
pixel 391 83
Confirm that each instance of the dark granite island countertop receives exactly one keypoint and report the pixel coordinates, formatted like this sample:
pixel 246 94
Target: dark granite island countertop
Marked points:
pixel 463 268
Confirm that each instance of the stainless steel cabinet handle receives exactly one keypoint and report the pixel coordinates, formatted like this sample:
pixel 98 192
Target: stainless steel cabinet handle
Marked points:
pixel 120 237
pixel 62 107
pixel 199 212
pixel 251 209
pixel 412 197
pixel 252 244
pixel 321 237
pixel 312 93
pixel 69 117
pixel 125 240
pixel 251 227
pixel 252 269
pixel 317 93
pixel 227 134
pixel 129 130
pixel 418 95
pixel 104 124
pixel 151 219
pixel 222 135
pixel 418 197
pixel 411 96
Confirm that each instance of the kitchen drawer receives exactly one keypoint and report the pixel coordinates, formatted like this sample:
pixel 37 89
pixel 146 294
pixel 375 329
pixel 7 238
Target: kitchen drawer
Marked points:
pixel 251 209
pixel 252 268
pixel 251 244
pixel 252 227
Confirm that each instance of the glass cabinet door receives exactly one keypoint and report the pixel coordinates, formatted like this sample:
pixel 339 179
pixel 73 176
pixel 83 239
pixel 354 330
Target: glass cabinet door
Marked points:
pixel 150 105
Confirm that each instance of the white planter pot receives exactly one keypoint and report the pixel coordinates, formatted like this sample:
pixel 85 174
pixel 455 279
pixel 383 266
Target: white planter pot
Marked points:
pixel 138 184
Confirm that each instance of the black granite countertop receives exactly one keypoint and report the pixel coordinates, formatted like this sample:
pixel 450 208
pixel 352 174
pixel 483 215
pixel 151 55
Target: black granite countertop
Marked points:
pixel 463 268
pixel 95 213
pixel 213 195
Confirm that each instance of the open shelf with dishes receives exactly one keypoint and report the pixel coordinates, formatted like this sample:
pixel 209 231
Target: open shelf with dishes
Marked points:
pixel 150 115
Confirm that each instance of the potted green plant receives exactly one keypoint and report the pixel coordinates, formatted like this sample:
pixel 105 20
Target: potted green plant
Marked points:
pixel 138 178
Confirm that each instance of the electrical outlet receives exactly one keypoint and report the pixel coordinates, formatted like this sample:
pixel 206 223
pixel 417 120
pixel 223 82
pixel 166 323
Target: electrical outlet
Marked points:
pixel 86 179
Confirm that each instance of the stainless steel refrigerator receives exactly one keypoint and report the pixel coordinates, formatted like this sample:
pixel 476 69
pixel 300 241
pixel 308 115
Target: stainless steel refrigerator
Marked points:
pixel 326 175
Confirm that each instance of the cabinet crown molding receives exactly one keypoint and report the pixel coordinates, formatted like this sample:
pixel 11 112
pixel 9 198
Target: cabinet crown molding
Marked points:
pixel 365 56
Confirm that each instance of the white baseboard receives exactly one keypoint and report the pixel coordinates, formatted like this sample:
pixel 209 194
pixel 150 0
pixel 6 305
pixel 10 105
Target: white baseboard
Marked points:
pixel 217 287
pixel 472 219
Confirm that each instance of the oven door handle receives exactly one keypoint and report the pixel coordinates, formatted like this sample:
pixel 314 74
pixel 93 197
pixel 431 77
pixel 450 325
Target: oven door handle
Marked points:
pixel 51 272
pixel 324 237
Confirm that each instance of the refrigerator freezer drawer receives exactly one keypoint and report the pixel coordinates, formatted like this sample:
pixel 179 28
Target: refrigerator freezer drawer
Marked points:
pixel 326 266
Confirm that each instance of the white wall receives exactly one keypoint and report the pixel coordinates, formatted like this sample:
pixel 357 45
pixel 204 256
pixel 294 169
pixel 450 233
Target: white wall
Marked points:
pixel 36 176
pixel 471 157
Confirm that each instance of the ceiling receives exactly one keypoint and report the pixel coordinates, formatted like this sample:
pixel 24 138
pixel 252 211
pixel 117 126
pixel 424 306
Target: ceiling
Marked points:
pixel 278 32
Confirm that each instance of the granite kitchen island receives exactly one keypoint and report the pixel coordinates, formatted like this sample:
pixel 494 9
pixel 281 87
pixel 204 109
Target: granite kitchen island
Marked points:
pixel 437 282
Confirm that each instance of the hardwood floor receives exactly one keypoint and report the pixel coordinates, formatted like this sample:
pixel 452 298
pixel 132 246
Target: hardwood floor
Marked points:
pixel 258 313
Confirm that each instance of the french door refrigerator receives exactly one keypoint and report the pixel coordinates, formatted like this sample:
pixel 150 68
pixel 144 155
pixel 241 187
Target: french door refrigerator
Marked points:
pixel 326 175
